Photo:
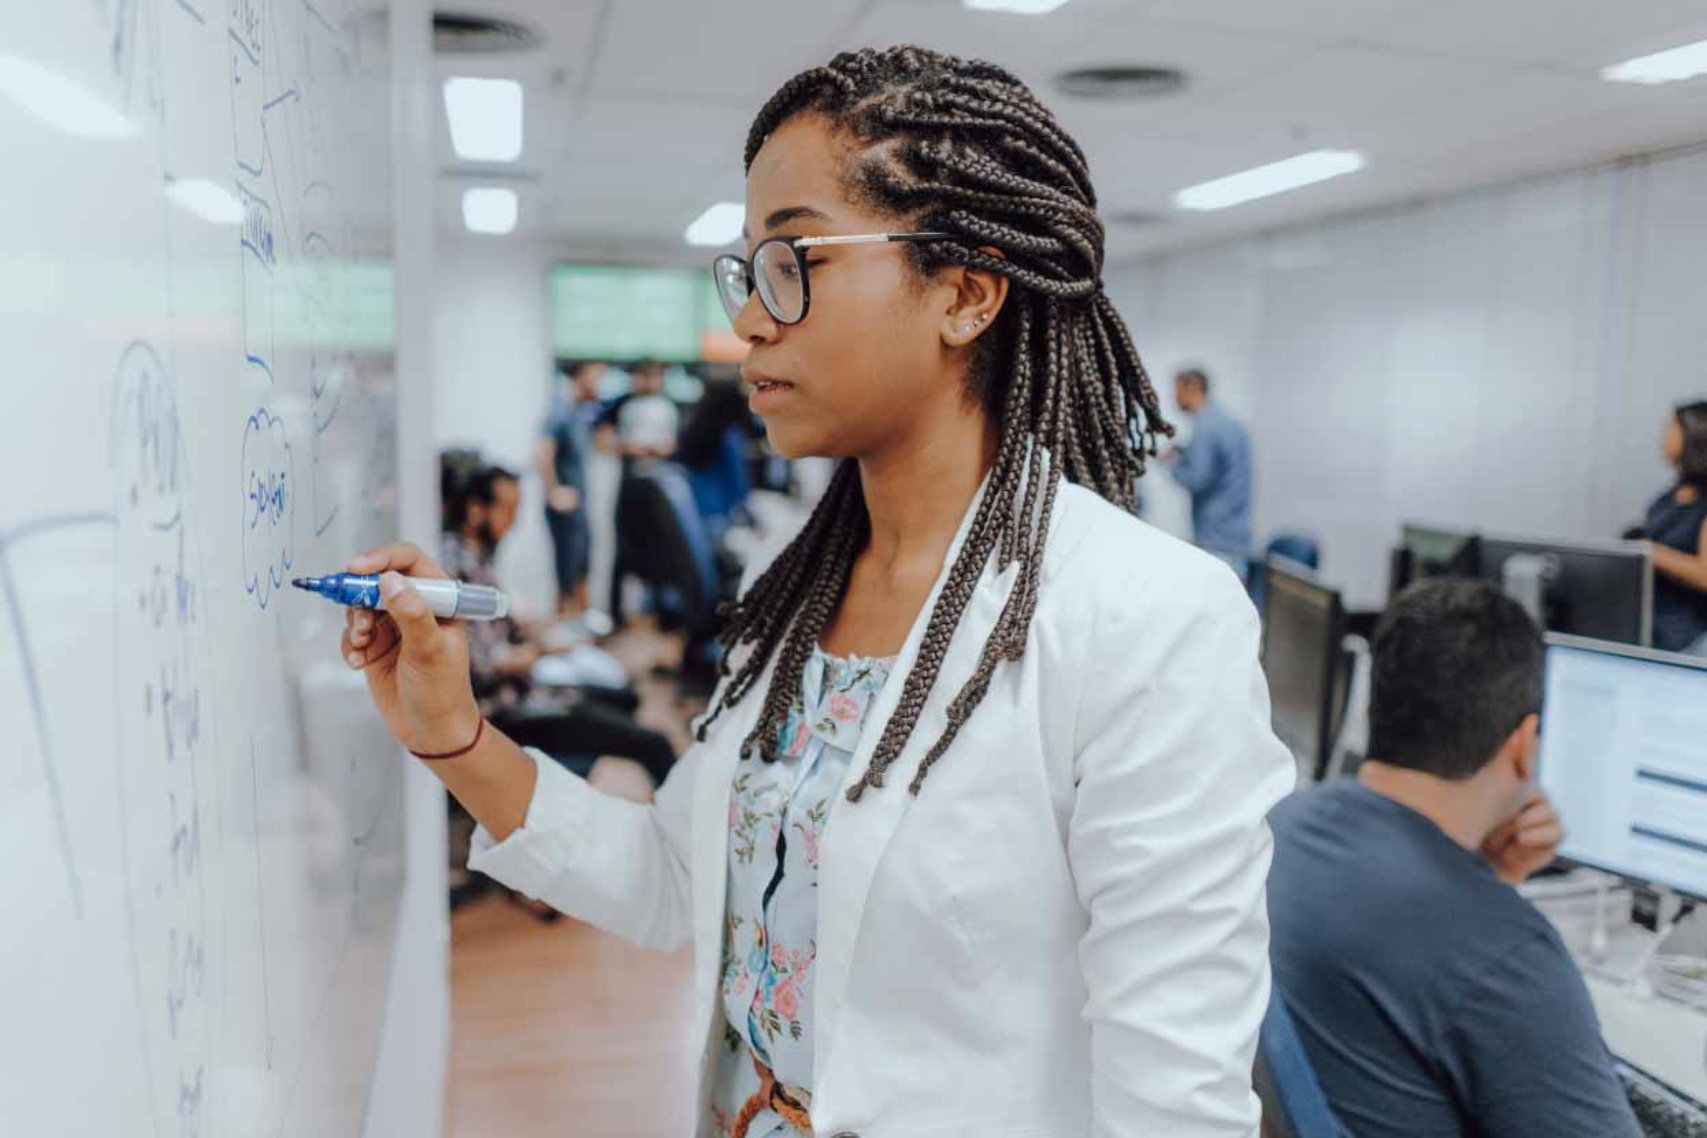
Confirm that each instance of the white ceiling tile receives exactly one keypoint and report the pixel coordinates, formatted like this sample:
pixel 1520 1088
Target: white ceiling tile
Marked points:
pixel 1584 34
pixel 638 109
pixel 733 51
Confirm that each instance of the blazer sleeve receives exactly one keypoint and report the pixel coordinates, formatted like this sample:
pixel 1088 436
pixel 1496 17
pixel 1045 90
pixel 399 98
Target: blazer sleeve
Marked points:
pixel 1176 768
pixel 612 863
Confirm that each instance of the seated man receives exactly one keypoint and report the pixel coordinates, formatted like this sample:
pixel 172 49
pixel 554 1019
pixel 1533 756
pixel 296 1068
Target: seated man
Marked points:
pixel 1431 998
pixel 565 723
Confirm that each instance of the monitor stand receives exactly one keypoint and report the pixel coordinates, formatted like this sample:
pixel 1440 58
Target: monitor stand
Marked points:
pixel 1622 953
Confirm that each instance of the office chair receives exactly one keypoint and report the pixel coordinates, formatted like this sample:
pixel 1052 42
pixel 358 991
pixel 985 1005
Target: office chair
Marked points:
pixel 1299 547
pixel 1296 547
pixel 1293 1104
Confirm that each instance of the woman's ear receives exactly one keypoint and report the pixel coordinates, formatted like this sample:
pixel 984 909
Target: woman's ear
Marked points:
pixel 978 298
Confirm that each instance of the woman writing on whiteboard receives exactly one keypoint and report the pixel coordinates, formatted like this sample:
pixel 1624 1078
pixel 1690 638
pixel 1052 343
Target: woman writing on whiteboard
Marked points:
pixel 973 838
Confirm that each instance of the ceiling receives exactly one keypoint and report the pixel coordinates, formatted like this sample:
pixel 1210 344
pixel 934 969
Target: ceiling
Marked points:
pixel 636 111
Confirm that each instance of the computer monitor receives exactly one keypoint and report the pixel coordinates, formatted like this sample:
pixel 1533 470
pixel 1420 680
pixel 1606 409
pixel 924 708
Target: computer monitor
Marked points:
pixel 1424 551
pixel 1303 625
pixel 1624 760
pixel 1603 591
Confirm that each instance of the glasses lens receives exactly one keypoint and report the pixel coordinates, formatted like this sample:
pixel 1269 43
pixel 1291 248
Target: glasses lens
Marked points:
pixel 730 273
pixel 777 273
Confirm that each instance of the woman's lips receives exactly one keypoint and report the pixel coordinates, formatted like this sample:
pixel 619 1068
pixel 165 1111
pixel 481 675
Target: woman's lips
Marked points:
pixel 768 392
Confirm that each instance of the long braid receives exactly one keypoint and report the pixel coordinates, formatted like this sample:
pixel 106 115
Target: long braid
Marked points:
pixel 964 148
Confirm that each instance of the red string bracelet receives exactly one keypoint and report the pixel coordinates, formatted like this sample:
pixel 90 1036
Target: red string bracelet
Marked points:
pixel 478 731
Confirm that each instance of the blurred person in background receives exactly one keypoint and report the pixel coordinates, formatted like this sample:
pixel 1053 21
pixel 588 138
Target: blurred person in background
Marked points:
pixel 565 440
pixel 1214 467
pixel 1676 527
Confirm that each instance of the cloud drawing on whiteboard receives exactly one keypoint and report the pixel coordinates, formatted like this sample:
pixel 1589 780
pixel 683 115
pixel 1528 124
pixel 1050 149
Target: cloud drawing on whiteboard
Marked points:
pixel 269 505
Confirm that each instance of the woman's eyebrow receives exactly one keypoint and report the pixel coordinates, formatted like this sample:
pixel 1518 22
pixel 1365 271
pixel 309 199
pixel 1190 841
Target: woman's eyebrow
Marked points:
pixel 785 215
pixel 794 213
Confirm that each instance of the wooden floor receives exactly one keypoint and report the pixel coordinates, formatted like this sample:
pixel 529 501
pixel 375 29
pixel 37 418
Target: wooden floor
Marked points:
pixel 558 1029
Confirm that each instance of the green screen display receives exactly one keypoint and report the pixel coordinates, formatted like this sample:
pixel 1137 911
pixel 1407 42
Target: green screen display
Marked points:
pixel 614 312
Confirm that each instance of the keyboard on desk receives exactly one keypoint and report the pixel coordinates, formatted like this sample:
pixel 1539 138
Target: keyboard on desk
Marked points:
pixel 1662 1110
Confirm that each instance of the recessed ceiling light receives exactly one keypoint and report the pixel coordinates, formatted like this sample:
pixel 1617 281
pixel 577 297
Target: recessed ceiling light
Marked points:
pixel 1020 7
pixel 1671 66
pixel 719 225
pixel 489 209
pixel 207 200
pixel 59 102
pixel 1274 178
pixel 485 118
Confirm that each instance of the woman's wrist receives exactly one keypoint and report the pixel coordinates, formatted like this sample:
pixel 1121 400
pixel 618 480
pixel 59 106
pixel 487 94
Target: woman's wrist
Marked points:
pixel 455 735
pixel 458 752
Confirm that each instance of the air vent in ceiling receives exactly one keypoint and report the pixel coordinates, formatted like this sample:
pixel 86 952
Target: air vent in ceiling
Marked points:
pixel 464 33
pixel 1125 82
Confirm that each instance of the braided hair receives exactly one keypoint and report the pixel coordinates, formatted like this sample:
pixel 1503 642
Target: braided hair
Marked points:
pixel 964 148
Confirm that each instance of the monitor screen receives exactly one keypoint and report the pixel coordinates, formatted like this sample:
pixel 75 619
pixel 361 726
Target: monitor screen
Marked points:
pixel 1624 760
pixel 1599 591
pixel 617 312
pixel 1301 635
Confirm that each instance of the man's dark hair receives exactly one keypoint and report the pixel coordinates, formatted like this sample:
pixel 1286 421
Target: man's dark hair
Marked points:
pixel 1458 666
pixel 473 482
pixel 1196 376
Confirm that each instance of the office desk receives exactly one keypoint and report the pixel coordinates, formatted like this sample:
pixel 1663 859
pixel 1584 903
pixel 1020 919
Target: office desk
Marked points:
pixel 1662 1037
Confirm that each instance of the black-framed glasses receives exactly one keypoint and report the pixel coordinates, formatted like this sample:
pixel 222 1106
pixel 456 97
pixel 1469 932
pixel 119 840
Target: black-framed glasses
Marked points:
pixel 778 271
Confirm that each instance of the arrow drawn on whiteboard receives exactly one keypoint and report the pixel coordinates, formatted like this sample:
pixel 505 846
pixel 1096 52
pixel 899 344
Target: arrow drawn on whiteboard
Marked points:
pixel 32 683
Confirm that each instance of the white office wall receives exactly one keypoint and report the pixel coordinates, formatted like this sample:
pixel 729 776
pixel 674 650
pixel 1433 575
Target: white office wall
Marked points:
pixel 1502 360
pixel 492 382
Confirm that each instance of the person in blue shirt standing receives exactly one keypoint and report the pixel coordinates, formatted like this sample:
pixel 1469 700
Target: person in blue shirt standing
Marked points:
pixel 1215 469
pixel 564 442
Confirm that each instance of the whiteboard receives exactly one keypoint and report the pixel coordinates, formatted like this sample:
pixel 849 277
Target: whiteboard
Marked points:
pixel 200 826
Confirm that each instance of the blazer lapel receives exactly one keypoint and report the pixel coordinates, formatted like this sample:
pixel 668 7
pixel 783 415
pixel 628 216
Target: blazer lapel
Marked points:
pixel 858 833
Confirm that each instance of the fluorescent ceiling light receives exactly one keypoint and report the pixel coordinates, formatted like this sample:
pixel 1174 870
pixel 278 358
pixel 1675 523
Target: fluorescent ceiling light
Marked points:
pixel 1021 7
pixel 59 102
pixel 1673 66
pixel 1275 178
pixel 489 210
pixel 485 119
pixel 719 225
pixel 207 200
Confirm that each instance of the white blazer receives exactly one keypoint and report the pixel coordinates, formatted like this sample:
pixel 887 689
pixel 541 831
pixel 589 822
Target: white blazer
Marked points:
pixel 1065 934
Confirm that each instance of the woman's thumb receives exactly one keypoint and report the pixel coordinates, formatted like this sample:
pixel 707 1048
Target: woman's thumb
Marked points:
pixel 415 621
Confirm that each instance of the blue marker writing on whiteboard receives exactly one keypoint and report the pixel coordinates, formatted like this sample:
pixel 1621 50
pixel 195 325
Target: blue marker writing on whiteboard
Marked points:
pixel 450 600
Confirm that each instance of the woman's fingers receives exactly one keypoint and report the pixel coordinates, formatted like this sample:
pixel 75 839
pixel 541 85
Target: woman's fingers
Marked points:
pixel 358 626
pixel 404 557
pixel 360 649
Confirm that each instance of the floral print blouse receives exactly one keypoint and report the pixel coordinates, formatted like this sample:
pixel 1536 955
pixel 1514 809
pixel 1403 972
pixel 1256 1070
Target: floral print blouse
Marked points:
pixel 777 815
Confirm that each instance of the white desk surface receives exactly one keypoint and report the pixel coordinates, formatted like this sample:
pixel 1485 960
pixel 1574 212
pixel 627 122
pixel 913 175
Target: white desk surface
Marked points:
pixel 1662 1037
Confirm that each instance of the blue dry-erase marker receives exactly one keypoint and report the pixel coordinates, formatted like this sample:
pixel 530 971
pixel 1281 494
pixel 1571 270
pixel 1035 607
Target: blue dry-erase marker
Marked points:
pixel 451 600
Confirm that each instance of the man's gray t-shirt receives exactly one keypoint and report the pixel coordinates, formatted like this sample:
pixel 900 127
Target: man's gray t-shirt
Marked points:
pixel 1431 998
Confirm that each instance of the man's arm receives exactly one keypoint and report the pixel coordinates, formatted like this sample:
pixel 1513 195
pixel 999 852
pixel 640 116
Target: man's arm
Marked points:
pixel 1530 1059
pixel 1198 464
